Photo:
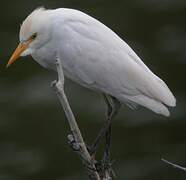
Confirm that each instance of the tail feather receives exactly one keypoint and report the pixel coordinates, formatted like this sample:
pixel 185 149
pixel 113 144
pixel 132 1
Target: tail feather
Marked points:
pixel 164 93
pixel 149 103
pixel 157 89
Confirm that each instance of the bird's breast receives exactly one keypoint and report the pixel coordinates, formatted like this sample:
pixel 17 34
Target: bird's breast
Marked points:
pixel 45 56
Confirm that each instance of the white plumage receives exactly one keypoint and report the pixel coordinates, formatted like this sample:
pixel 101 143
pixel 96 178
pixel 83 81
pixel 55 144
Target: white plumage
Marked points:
pixel 94 56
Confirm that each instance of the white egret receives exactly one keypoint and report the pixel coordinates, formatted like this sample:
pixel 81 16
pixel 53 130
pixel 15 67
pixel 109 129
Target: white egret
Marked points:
pixel 93 56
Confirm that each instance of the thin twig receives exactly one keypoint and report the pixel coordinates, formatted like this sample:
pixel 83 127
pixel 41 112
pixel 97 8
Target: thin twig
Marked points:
pixel 75 139
pixel 174 165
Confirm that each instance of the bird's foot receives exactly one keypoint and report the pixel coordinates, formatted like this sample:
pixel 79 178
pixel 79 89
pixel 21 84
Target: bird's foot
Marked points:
pixel 107 169
pixel 106 163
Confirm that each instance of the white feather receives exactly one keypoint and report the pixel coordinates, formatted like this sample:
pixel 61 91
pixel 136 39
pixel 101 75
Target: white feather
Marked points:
pixel 97 58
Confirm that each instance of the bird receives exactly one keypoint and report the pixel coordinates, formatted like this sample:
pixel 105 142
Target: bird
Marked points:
pixel 95 57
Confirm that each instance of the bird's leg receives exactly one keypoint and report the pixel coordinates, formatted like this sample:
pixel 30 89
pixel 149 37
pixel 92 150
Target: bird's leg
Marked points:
pixel 113 106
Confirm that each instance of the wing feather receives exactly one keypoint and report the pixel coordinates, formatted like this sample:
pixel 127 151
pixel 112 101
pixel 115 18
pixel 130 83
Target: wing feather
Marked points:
pixel 96 56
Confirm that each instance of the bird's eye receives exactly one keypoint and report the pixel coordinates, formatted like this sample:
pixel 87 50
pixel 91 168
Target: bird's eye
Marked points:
pixel 34 36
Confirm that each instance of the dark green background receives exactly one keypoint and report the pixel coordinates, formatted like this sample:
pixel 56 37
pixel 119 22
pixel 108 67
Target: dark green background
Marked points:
pixel 33 129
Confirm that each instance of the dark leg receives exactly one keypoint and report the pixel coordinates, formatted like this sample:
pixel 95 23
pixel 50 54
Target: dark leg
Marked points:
pixel 113 106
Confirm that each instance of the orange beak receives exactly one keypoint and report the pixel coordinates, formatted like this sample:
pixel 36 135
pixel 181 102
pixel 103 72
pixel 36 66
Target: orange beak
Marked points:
pixel 21 47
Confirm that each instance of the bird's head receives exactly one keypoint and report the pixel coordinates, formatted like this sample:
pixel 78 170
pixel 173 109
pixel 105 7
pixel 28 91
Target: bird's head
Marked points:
pixel 34 33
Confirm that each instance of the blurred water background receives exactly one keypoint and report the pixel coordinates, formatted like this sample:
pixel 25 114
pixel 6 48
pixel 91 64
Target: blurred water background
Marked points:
pixel 33 129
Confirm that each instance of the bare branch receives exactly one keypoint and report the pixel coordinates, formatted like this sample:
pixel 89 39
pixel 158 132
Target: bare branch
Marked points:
pixel 174 165
pixel 75 139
